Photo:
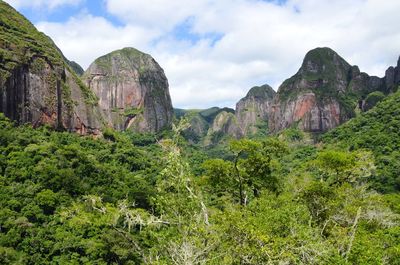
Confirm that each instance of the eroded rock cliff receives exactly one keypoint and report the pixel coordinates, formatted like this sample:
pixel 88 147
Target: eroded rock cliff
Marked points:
pixel 252 111
pixel 223 125
pixel 325 92
pixel 36 84
pixel 132 90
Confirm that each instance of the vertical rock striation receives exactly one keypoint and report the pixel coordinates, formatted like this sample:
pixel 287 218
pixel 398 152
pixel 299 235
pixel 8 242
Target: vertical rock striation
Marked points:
pixel 252 111
pixel 132 90
pixel 37 85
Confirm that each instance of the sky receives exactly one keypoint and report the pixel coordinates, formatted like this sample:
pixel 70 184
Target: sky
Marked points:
pixel 214 51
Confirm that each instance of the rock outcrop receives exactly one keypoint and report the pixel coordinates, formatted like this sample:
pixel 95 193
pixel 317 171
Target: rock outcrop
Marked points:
pixel 132 90
pixel 37 85
pixel 224 124
pixel 209 124
pixel 311 98
pixel 252 111
pixel 212 125
pixel 325 92
pixel 392 77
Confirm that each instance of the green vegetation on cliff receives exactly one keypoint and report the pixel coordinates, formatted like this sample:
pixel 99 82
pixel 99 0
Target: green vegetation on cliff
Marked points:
pixel 263 92
pixel 323 69
pixel 126 58
pixel 377 130
pixel 78 70
pixel 20 41
pixel 22 45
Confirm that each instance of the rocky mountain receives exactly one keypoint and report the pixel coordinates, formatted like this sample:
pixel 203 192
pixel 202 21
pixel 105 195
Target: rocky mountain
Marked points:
pixel 211 125
pixel 392 78
pixel 325 92
pixel 253 110
pixel 223 126
pixel 36 84
pixel 132 90
pixel 75 67
pixel 128 90
pixel 125 89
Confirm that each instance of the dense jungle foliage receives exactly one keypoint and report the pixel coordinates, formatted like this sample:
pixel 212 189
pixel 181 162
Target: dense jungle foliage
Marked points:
pixel 377 130
pixel 154 199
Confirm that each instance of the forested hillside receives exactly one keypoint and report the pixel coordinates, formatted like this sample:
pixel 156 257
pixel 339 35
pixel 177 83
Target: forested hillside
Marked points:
pixel 154 199
pixel 378 130
pixel 96 169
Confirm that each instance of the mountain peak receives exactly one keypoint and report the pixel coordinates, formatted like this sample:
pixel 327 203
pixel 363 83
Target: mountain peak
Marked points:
pixel 264 92
pixel 128 52
pixel 132 90
pixel 323 61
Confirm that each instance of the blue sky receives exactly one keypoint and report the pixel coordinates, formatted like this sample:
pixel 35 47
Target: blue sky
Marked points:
pixel 214 51
pixel 62 13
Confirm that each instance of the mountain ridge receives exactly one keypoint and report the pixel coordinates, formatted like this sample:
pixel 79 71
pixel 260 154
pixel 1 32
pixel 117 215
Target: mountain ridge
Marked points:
pixel 40 86
pixel 325 92
pixel 127 89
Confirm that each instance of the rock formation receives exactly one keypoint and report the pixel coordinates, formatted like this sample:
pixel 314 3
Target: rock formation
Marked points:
pixel 132 90
pixel 225 123
pixel 253 110
pixel 325 92
pixel 36 84
pixel 128 90
pixel 392 77
pixel 209 124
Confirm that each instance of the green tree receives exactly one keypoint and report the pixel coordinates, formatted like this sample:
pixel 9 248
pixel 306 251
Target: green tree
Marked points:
pixel 254 167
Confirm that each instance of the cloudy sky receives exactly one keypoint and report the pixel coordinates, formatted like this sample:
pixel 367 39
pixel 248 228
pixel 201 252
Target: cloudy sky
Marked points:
pixel 213 51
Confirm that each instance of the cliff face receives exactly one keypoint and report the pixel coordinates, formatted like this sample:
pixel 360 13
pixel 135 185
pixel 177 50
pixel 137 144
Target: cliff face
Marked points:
pixel 311 99
pixel 132 90
pixel 392 77
pixel 208 126
pixel 224 124
pixel 325 92
pixel 253 110
pixel 36 84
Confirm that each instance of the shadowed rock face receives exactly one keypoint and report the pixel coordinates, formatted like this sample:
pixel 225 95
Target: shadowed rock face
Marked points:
pixel 37 85
pixel 254 109
pixel 132 90
pixel 392 77
pixel 48 96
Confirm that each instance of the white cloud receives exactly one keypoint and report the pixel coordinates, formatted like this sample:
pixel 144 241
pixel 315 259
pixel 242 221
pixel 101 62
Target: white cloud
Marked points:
pixel 50 4
pixel 260 42
pixel 86 37
pixel 162 14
